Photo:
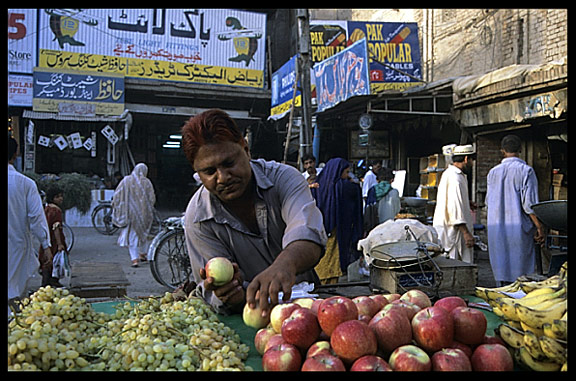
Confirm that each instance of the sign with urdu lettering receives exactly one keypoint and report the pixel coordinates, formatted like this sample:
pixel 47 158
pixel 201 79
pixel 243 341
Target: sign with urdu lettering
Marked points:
pixel 77 92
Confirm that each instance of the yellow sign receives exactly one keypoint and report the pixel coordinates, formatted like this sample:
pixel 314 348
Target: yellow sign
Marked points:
pixel 285 107
pixel 150 69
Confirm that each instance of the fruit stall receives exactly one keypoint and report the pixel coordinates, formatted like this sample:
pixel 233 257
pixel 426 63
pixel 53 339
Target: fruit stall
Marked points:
pixel 521 326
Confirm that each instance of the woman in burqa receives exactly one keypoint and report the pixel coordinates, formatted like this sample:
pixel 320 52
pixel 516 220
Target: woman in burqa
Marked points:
pixel 340 202
pixel 133 212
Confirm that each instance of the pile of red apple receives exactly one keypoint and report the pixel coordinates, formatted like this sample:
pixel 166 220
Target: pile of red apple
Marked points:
pixel 380 333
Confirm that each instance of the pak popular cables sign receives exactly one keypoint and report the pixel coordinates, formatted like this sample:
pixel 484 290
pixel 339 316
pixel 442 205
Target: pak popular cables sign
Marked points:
pixel 393 49
pixel 212 46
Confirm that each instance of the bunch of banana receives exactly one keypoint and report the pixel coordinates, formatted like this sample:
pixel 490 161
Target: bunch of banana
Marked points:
pixel 536 325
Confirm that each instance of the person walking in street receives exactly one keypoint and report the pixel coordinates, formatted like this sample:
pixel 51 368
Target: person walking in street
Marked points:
pixel 53 211
pixel 383 201
pixel 133 211
pixel 512 226
pixel 452 215
pixel 370 177
pixel 340 202
pixel 26 219
pixel 258 214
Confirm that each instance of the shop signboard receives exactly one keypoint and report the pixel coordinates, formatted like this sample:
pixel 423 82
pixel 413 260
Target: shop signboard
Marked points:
pixel 21 40
pixel 211 46
pixel 19 90
pixel 283 82
pixel 393 48
pixel 78 93
pixel 341 76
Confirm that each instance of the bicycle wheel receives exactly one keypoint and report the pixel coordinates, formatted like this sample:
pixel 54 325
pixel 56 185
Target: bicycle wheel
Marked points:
pixel 102 219
pixel 170 264
pixel 69 236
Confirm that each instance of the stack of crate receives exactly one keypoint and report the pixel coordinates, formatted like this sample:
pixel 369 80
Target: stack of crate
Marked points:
pixel 431 169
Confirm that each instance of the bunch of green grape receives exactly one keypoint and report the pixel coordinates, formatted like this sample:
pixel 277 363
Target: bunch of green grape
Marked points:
pixel 56 330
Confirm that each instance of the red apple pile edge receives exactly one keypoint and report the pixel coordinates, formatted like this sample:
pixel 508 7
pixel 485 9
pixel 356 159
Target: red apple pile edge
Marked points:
pixel 389 332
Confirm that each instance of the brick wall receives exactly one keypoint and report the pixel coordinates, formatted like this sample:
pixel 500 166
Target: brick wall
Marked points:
pixel 474 41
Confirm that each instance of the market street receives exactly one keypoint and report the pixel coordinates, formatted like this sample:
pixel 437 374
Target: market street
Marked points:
pixel 93 247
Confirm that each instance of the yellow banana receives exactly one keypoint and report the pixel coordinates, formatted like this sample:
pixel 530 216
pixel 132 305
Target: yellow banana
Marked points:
pixel 511 336
pixel 540 291
pixel 565 316
pixel 481 292
pixel 537 317
pixel 553 349
pixel 523 357
pixel 514 324
pixel 498 312
pixel 493 295
pixel 547 329
pixel 559 329
pixel 532 344
pixel 537 331
pixel 563 272
pixel 546 304
pixel 512 287
pixel 508 309
pixel 564 367
pixel 541 295
pixel 528 286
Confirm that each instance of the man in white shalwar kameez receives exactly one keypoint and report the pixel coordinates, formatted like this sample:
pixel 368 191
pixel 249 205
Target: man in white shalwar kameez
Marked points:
pixel 452 216
pixel 26 219
pixel 512 225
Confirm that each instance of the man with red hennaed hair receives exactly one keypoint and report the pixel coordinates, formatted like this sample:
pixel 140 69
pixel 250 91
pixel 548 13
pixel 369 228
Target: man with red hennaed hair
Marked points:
pixel 259 214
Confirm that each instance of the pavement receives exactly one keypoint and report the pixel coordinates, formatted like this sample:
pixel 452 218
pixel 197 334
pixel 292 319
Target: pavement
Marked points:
pixel 91 246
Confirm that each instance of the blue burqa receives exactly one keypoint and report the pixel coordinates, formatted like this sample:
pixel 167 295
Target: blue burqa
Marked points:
pixel 340 202
pixel 512 190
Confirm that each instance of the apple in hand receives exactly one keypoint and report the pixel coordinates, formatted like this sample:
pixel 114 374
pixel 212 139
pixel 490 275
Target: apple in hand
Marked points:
pixel 323 362
pixel 282 358
pixel 252 317
pixel 279 313
pixel 301 328
pixel 392 329
pixel 469 325
pixel 261 339
pixel 353 339
pixel 417 297
pixel 366 308
pixel 370 363
pixel 335 310
pixel 451 360
pixel 433 329
pixel 492 357
pixel 220 269
pixel 410 358
pixel 450 302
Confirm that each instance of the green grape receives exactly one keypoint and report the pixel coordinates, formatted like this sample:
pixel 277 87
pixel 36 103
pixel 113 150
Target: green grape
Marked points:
pixel 56 330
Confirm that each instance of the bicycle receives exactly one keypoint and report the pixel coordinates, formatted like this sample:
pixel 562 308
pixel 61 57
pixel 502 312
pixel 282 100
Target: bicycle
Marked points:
pixel 102 218
pixel 168 255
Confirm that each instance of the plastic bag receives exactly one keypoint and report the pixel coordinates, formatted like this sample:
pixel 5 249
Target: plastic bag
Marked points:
pixel 61 265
